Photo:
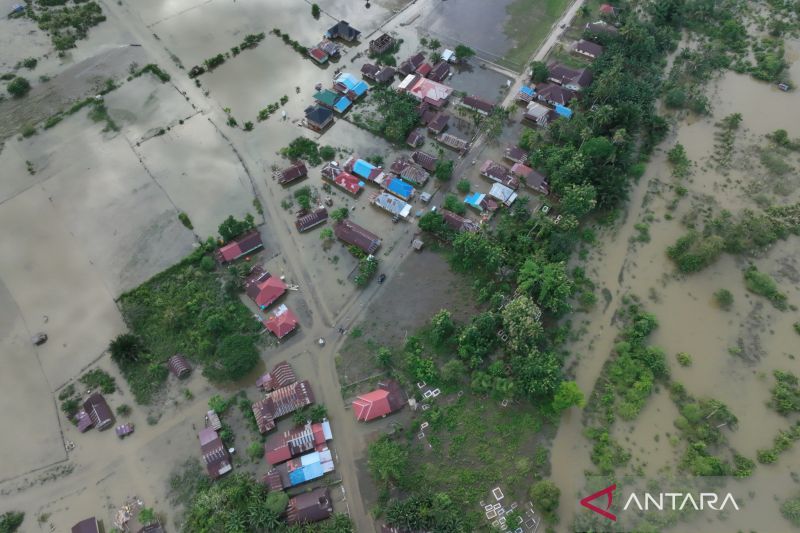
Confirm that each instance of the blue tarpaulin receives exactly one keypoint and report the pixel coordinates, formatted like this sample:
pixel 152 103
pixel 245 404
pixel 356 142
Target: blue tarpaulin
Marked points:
pixel 342 104
pixel 362 168
pixel 530 91
pixel 400 188
pixel 563 111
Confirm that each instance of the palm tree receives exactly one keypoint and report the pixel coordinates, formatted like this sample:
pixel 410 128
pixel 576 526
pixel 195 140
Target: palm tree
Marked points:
pixel 125 348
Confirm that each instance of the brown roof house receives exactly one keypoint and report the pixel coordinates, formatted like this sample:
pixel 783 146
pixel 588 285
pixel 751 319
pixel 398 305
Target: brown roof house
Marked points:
pixel 240 246
pixel 215 455
pixel 88 525
pixel 532 179
pixel 98 410
pixel 410 65
pixel 477 104
pixel 281 402
pixel 353 234
pixel 439 123
pixel 571 78
pixel 416 138
pixel 280 376
pixel 425 160
pixel 312 219
pixel 459 223
pixel 515 154
pixel 553 94
pixel 310 507
pixel 382 44
pixel 179 366
pixel 587 49
pixel 297 171
pixel 370 71
pixel 601 26
pixel 440 71
pixel 385 75
pixel 499 173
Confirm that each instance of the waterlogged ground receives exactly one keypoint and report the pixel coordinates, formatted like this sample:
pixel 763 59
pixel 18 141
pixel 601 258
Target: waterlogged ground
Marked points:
pixel 734 352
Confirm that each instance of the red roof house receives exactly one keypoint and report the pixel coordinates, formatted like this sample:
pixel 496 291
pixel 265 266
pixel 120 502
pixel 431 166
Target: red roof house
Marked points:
pixel 263 288
pixel 424 69
pixel 387 398
pixel 240 246
pixel 280 376
pixel 281 322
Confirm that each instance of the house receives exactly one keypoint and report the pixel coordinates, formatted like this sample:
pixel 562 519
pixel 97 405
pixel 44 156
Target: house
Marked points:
pixel 399 188
pixel 318 118
pixel 410 65
pixel 386 399
pixel 332 100
pixel 499 173
pixel 457 222
pixel 571 78
pixel 318 55
pixel 312 219
pixel 179 366
pixel 440 71
pixel 439 123
pixel 343 30
pixel 553 94
pixel 481 202
pixel 504 194
pixel 451 141
pixel 587 49
pixel 515 154
pixel 295 172
pixel 297 441
pixel 281 402
pixel 399 165
pixel 350 86
pixel 600 26
pixel 539 114
pixel 416 138
pixel 215 454
pixel 281 375
pixel 449 56
pixel 391 204
pixel 414 175
pixel 239 247
pixel 354 235
pixel 310 507
pixel 526 94
pixel 425 90
pixel 343 180
pixel 84 421
pixel 477 104
pixel 424 69
pixel 386 75
pixel 98 410
pixel 382 44
pixel 281 322
pixel 213 421
pixel 330 48
pixel 364 169
pixel 425 160
pixel 88 525
pixel 263 288
pixel 532 179
pixel 302 469
pixel 370 71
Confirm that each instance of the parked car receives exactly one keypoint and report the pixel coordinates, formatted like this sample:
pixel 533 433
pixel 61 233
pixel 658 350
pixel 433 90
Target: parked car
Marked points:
pixel 39 339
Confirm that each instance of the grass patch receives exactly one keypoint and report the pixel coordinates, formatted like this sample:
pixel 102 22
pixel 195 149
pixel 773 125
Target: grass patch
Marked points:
pixel 528 24
pixel 99 379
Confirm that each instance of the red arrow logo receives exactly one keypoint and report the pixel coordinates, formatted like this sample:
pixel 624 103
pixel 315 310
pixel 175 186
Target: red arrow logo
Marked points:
pixel 609 493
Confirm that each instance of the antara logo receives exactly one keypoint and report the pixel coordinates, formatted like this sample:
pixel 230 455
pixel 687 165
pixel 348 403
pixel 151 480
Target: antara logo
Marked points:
pixel 675 501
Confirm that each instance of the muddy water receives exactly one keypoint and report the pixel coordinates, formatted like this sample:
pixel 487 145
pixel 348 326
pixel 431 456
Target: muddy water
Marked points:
pixel 688 318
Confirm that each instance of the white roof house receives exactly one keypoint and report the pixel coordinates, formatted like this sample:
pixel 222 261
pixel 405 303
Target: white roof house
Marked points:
pixel 448 55
pixel 503 194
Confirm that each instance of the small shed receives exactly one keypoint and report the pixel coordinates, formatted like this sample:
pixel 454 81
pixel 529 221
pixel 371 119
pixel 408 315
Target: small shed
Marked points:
pixel 417 244
pixel 98 410
pixel 179 366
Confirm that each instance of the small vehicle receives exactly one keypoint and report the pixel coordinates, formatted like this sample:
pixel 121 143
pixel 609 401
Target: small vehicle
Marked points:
pixel 381 278
pixel 39 339
pixel 123 430
pixel 783 87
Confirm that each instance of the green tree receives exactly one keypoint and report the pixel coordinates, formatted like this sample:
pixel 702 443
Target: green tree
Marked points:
pixel 326 235
pixel 387 461
pixel 463 52
pixel 232 228
pixel 539 72
pixel 327 153
pixel 521 325
pixel 474 252
pixel 452 203
pixel 568 395
pixel 146 516
pixel 315 11
pixel 18 87
pixel 546 496
pixel 479 339
pixel 463 186
pixel 548 283
pixel 790 509
pixel 236 356
pixel 126 348
pixel 442 327
pixel 443 170
pixel 340 214
pixel 578 200
pixel 384 357
pixel 453 371
pixel 10 521
pixel 277 501
pixel 317 413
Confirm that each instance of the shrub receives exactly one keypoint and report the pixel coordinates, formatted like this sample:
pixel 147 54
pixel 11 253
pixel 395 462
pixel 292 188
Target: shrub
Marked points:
pixel 444 169
pixel 675 98
pixel 452 203
pixel 684 359
pixel 99 379
pixel 790 509
pixel 29 63
pixel 315 11
pixel 18 87
pixel 762 284
pixel 340 214
pixel 463 186
pixel 207 263
pixel 10 521
pixel 254 451
pixel 184 218
pixel 124 410
pixel 724 299
pixel 327 153
pixel 546 495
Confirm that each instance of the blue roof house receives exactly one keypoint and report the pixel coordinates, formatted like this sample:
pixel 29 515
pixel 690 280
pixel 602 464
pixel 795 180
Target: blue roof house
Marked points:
pixel 563 111
pixel 342 104
pixel 526 93
pixel 362 168
pixel 474 200
pixel 348 83
pixel 400 188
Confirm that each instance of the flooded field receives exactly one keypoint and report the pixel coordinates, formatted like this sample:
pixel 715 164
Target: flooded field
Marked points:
pixel 734 352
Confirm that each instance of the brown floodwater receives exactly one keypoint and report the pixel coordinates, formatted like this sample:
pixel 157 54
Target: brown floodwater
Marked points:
pixel 688 318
